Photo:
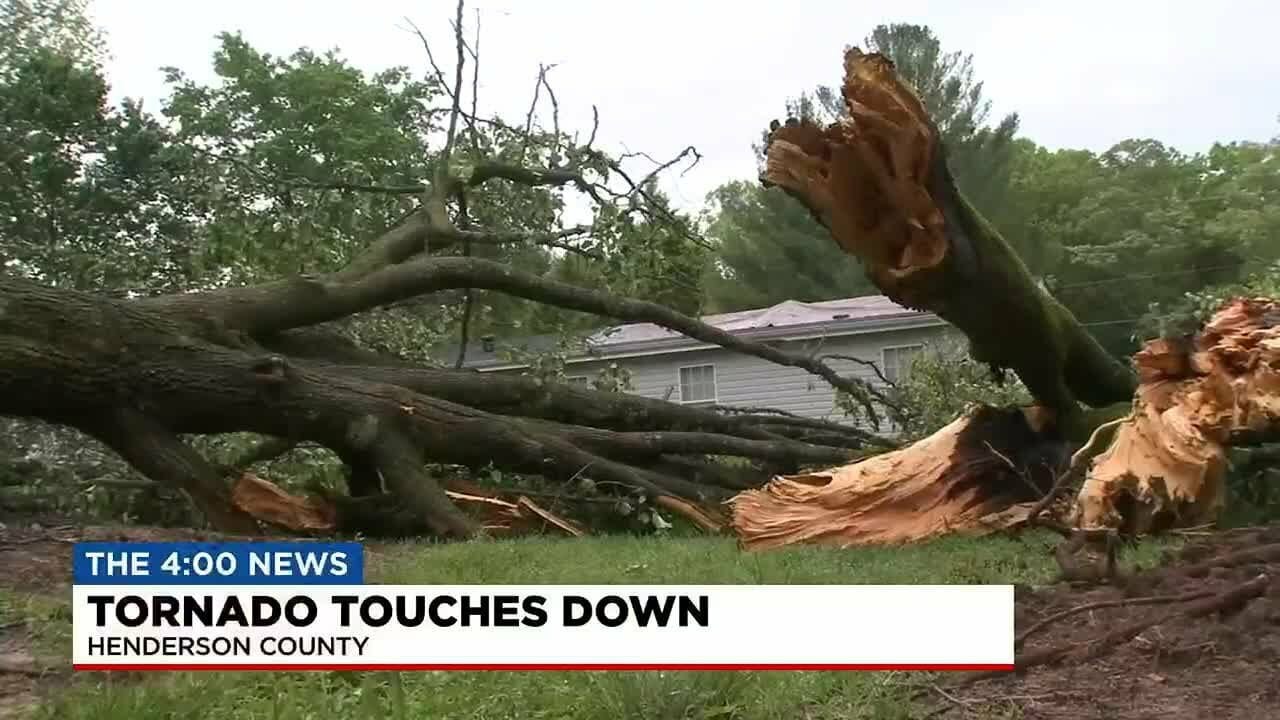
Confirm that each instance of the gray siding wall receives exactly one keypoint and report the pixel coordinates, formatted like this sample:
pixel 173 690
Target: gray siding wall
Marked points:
pixel 743 380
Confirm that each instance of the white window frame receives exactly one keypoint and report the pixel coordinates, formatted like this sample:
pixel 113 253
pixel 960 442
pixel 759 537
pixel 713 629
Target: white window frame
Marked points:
pixel 884 358
pixel 715 384
pixel 577 379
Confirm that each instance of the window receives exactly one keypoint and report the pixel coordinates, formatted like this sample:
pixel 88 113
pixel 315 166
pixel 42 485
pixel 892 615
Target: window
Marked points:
pixel 896 361
pixel 698 384
pixel 576 380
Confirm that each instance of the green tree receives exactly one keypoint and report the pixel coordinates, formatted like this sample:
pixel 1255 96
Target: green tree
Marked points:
pixel 772 250
pixel 943 382
pixel 1141 225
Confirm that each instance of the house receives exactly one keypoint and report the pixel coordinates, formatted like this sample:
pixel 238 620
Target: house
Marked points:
pixel 667 365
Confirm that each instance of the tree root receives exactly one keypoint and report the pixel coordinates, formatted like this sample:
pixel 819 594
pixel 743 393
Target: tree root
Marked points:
pixel 1127 602
pixel 1261 554
pixel 1081 651
pixel 1096 647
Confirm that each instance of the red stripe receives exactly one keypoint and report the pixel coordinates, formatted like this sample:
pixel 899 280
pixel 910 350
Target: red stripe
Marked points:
pixel 413 667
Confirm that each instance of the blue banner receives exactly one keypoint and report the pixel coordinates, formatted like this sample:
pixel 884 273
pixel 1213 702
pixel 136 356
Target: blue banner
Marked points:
pixel 218 563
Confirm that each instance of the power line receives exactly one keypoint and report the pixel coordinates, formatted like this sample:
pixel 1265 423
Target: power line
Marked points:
pixel 1133 319
pixel 1117 322
pixel 1149 276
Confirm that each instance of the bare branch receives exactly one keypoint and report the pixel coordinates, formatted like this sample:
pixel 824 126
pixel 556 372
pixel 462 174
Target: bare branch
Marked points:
pixel 651 205
pixel 860 361
pixel 690 150
pixel 595 125
pixel 532 176
pixel 475 91
pixel 431 58
pixel 555 115
pixel 533 108
pixel 457 95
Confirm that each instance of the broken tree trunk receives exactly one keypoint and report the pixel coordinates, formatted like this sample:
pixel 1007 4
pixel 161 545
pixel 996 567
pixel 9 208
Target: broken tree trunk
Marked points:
pixel 878 180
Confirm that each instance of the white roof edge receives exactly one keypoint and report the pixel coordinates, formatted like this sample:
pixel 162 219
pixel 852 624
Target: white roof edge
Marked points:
pixel 685 344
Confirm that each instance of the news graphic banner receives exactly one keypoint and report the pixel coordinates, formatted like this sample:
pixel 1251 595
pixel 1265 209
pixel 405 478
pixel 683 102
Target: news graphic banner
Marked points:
pixel 306 606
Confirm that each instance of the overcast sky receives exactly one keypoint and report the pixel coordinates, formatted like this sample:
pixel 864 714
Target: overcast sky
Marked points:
pixel 670 73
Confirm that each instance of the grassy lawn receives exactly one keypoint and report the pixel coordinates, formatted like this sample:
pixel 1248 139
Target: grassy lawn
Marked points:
pixel 581 695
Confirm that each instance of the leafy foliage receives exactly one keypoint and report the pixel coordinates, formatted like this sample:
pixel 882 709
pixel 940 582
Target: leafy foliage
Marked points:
pixel 1133 231
pixel 771 250
pixel 942 382
pixel 267 141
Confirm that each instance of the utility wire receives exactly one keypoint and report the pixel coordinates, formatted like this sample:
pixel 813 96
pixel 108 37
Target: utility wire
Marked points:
pixel 1148 276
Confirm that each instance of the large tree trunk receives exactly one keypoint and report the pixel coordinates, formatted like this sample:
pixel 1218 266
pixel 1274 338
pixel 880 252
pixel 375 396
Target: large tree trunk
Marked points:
pixel 879 182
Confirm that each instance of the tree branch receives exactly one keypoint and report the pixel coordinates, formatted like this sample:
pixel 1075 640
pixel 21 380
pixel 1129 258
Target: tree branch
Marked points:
pixel 492 237
pixel 400 463
pixel 457 94
pixel 532 177
pixel 528 397
pixel 295 303
pixel 656 443
pixel 157 453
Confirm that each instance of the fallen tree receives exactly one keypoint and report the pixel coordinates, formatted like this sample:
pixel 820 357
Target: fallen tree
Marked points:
pixel 878 180
pixel 139 373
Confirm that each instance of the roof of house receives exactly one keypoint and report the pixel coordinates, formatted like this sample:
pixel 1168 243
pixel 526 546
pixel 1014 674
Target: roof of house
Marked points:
pixel 789 319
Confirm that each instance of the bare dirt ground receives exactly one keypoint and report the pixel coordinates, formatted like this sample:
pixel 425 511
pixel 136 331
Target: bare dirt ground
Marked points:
pixel 1214 652
pixel 1198 637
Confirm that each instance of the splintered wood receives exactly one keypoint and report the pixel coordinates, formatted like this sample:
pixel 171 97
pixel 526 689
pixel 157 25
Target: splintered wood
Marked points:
pixel 867 176
pixel 268 503
pixel 973 475
pixel 1166 466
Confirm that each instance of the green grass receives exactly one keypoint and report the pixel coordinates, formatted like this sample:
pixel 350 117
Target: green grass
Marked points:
pixel 581 695
pixel 45 620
